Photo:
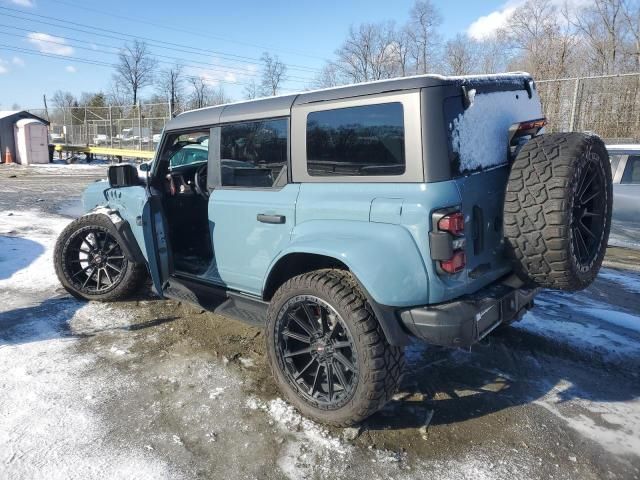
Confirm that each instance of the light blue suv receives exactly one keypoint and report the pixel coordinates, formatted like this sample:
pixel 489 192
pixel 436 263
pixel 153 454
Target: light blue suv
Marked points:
pixel 347 221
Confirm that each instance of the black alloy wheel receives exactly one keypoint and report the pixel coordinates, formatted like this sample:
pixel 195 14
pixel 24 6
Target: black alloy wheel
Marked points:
pixel 94 261
pixel 589 208
pixel 316 351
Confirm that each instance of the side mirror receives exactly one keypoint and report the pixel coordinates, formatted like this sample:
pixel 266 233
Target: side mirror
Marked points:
pixel 123 176
pixel 145 167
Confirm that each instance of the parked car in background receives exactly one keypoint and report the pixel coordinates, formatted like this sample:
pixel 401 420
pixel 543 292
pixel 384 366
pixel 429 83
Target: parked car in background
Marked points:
pixel 56 137
pixel 100 139
pixel 625 169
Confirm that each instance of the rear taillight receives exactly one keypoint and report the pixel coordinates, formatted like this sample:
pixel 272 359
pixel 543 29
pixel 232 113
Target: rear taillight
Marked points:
pixel 448 241
pixel 456 263
pixel 452 223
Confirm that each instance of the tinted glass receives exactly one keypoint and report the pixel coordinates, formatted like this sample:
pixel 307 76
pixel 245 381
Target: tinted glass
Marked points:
pixel 254 154
pixel 632 170
pixel 362 141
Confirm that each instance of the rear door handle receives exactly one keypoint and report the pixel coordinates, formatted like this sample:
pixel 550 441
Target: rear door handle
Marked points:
pixel 264 218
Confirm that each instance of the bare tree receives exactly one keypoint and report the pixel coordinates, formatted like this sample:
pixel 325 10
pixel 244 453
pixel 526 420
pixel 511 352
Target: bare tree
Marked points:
pixel 218 96
pixel 135 68
pixel 542 40
pixel 631 13
pixel 64 99
pixel 368 53
pixel 424 21
pixel 201 92
pixel 274 73
pixel 461 55
pixel 328 76
pixel 170 83
pixel 251 90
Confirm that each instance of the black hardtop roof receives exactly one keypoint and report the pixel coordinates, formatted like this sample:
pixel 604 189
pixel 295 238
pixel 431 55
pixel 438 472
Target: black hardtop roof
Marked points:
pixel 280 106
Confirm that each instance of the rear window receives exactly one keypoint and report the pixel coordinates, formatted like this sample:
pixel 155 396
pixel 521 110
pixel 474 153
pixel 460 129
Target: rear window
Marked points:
pixel 356 141
pixel 479 136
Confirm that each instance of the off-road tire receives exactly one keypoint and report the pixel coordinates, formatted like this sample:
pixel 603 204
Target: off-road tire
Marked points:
pixel 380 364
pixel 539 215
pixel 133 274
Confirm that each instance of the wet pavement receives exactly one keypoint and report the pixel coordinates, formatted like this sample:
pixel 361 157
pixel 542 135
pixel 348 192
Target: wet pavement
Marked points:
pixel 154 389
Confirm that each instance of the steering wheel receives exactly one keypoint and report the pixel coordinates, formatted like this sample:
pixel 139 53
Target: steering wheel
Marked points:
pixel 200 181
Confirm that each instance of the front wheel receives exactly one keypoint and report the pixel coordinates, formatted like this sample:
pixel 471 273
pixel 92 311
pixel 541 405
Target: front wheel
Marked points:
pixel 327 351
pixel 91 264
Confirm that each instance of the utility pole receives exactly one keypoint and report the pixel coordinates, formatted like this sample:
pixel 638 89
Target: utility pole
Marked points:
pixel 46 109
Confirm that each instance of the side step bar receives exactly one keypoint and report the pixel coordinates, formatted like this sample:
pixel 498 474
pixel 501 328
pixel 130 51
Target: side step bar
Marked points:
pixel 218 300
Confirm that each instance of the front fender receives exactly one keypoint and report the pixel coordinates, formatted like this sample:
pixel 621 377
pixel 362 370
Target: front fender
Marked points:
pixel 94 195
pixel 127 241
pixel 383 257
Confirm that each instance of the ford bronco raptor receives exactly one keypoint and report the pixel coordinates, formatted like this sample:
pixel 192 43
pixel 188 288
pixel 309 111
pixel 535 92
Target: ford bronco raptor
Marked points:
pixel 349 220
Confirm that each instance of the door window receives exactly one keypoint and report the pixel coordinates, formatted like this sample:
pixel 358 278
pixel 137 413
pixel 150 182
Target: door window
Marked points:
pixel 254 154
pixel 362 141
pixel 632 170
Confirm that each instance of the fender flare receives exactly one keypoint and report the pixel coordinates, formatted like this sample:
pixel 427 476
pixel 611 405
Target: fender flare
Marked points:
pixel 383 258
pixel 123 231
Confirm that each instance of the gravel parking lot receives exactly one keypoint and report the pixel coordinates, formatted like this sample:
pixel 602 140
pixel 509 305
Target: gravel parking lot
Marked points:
pixel 155 389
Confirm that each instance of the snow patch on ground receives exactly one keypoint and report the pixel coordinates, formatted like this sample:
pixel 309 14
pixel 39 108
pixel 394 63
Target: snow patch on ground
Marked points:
pixel 480 134
pixel 627 280
pixel 614 425
pixel 49 429
pixel 27 239
pixel 291 421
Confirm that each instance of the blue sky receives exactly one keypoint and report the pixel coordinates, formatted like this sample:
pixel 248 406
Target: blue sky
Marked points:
pixel 302 33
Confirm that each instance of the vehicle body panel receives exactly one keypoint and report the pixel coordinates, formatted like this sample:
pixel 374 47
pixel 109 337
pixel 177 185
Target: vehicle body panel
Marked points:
pixel 244 247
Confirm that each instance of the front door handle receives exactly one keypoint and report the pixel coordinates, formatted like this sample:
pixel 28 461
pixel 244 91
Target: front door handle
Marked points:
pixel 264 218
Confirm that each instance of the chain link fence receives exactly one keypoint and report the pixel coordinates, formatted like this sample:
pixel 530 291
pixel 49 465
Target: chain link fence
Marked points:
pixel 131 126
pixel 608 106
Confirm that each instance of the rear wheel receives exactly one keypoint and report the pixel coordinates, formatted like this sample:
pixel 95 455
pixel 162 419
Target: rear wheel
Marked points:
pixel 557 212
pixel 327 351
pixel 91 264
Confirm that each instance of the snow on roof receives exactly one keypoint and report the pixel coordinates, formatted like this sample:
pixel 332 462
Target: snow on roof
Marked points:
pixel 8 113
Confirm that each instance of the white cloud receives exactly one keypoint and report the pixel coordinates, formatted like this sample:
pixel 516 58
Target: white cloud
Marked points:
pixel 17 61
pixel 23 3
pixel 486 26
pixel 3 68
pixel 49 44
pixel 70 69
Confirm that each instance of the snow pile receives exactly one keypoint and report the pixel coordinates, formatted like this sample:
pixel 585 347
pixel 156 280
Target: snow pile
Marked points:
pixel 291 421
pixel 480 134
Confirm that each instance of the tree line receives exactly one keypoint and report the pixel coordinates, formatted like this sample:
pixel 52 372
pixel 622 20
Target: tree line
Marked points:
pixel 137 70
pixel 542 37
pixel 548 40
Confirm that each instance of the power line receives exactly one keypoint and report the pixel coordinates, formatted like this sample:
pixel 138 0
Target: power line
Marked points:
pixel 159 43
pixel 224 69
pixel 191 32
pixel 95 62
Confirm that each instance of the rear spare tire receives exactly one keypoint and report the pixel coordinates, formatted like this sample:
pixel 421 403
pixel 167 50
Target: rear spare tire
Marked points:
pixel 557 210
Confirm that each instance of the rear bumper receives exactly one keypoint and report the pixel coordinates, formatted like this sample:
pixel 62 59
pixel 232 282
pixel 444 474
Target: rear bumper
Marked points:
pixel 468 319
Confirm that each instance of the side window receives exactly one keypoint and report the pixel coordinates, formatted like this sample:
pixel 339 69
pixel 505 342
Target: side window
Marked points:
pixel 254 154
pixel 360 141
pixel 632 170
